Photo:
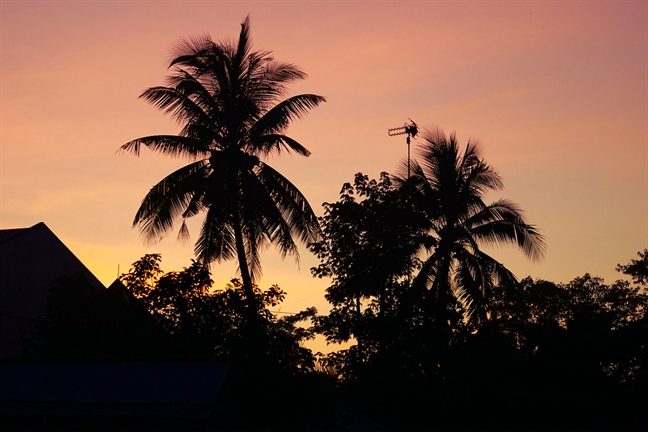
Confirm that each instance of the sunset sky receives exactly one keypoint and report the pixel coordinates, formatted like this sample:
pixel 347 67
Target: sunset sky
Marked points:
pixel 554 91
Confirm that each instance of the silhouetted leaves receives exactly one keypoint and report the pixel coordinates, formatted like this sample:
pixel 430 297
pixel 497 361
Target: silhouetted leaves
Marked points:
pixel 638 269
pixel 449 186
pixel 204 321
pixel 228 99
pixel 371 238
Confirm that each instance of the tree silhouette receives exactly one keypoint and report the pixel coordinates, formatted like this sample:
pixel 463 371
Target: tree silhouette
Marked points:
pixel 449 186
pixel 200 320
pixel 228 98
pixel 638 269
pixel 370 241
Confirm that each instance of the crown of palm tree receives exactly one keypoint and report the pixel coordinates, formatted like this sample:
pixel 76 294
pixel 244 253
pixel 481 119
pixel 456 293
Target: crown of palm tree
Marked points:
pixel 449 185
pixel 228 100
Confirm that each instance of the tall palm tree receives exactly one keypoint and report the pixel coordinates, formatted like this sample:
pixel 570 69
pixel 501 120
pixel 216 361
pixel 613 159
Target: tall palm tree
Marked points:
pixel 229 101
pixel 449 185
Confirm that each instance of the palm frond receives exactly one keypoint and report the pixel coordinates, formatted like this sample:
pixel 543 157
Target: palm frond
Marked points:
pixel 175 103
pixel 267 80
pixel 277 75
pixel 281 115
pixel 471 284
pixel 168 199
pixel 200 91
pixel 172 145
pixel 216 240
pixel 244 43
pixel 255 240
pixel 478 179
pixel 500 274
pixel 503 223
pixel 262 222
pixel 183 233
pixel 292 203
pixel 426 276
pixel 186 51
pixel 274 143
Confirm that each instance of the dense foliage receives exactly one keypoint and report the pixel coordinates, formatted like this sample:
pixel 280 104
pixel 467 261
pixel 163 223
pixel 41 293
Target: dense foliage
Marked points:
pixel 548 355
pixel 208 322
pixel 369 249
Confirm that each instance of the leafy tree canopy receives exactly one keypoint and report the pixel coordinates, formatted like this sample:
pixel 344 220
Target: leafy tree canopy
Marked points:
pixel 638 269
pixel 207 321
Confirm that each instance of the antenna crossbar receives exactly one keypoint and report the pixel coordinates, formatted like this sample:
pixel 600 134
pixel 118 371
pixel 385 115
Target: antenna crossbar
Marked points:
pixel 397 131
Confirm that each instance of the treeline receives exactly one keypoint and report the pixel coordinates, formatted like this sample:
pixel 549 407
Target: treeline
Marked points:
pixel 543 354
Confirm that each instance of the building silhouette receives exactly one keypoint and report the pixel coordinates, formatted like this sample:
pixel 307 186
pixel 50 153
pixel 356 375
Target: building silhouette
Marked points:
pixel 30 259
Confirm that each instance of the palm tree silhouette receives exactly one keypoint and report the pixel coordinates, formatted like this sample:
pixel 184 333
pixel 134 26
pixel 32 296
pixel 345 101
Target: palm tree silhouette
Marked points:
pixel 228 98
pixel 449 185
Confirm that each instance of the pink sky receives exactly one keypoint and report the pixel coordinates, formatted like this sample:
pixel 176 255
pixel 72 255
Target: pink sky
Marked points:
pixel 555 92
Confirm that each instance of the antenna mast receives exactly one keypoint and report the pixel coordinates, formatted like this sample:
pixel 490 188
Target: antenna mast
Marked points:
pixel 411 130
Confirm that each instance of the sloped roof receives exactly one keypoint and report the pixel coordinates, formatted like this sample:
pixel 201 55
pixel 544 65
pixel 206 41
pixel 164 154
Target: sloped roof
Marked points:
pixel 30 258
pixel 111 388
pixel 37 253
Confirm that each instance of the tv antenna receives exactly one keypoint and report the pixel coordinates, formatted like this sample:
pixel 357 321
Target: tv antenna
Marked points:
pixel 411 130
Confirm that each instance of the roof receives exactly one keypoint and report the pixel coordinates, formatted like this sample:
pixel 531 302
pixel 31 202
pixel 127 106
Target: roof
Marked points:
pixel 38 253
pixel 30 259
pixel 8 233
pixel 111 388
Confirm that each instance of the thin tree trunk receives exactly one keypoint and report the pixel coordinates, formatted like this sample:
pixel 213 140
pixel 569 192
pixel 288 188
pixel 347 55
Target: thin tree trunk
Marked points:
pixel 360 332
pixel 253 331
pixel 243 266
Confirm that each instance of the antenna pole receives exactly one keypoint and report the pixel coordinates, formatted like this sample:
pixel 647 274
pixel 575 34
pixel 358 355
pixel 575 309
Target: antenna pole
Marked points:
pixel 408 157
pixel 411 130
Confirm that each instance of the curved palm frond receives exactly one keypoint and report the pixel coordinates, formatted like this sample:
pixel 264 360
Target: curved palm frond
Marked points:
pixel 169 199
pixel 426 276
pixel 497 270
pixel 198 99
pixel 503 223
pixel 276 142
pixel 478 178
pixel 187 51
pixel 244 43
pixel 174 102
pixel 293 205
pixel 281 115
pixel 472 285
pixel 216 240
pixel 269 79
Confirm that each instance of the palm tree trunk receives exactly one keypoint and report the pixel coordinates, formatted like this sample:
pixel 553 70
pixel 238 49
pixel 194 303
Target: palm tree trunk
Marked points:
pixel 243 267
pixel 253 331
pixel 360 330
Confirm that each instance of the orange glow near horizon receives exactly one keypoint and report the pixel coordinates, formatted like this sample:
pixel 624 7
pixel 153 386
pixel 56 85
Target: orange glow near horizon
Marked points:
pixel 555 92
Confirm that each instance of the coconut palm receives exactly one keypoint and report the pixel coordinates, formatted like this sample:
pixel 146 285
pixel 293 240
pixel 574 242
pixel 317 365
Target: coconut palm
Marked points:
pixel 229 101
pixel 449 185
